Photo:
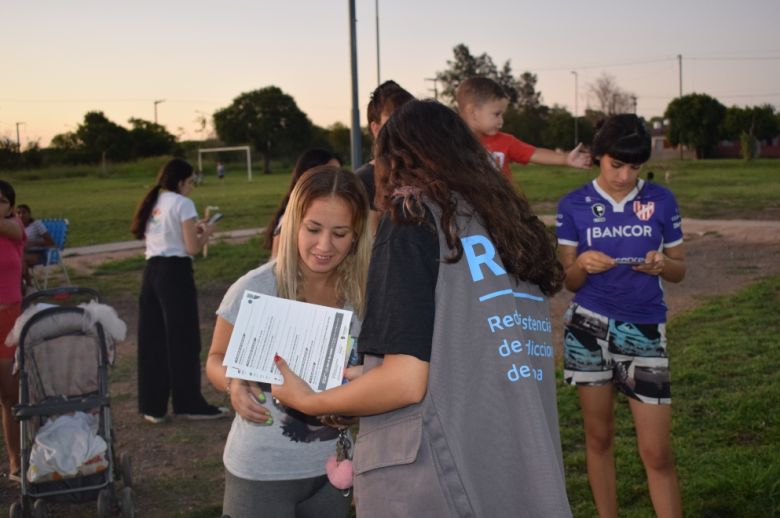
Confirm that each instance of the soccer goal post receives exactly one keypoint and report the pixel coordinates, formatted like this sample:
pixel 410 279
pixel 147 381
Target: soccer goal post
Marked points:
pixel 233 148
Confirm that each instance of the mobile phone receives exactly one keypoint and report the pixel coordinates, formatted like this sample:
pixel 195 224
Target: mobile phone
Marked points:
pixel 215 217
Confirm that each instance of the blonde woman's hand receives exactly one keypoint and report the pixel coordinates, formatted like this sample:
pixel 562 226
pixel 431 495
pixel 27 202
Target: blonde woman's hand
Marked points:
pixel 247 400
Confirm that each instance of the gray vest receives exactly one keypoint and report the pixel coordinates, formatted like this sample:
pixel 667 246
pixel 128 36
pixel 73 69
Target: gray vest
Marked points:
pixel 484 441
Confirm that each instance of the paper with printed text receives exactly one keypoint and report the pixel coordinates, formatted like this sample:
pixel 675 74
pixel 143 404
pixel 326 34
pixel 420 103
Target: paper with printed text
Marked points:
pixel 313 339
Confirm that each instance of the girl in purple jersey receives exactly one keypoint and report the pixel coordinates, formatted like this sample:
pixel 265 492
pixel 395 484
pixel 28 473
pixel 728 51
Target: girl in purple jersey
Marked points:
pixel 602 349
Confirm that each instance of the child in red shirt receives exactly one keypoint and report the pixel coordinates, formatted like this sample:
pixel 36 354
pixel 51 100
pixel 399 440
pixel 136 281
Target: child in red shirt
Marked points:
pixel 482 103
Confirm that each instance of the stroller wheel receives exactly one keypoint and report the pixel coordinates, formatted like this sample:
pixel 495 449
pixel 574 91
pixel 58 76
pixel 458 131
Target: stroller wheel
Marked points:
pixel 126 469
pixel 105 503
pixel 128 503
pixel 40 510
pixel 16 510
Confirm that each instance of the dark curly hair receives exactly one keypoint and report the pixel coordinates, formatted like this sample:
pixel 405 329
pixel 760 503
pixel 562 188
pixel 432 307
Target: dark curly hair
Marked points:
pixel 426 148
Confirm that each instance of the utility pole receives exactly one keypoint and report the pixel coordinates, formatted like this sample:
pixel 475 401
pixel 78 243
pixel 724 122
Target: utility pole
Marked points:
pixel 435 87
pixel 633 102
pixel 18 142
pixel 576 122
pixel 378 75
pixel 155 108
pixel 355 128
pixel 679 67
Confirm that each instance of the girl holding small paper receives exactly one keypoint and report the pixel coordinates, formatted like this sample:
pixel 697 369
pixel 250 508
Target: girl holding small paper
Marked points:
pixel 275 457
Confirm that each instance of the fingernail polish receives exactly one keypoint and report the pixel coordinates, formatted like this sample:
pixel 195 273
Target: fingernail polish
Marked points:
pixel 277 358
pixel 269 421
pixel 261 397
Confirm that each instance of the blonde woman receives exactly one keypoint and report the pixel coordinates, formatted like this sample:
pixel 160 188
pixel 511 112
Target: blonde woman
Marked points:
pixel 275 457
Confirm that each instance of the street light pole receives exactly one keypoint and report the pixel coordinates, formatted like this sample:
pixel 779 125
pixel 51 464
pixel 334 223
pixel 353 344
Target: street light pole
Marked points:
pixel 378 75
pixel 435 87
pixel 355 126
pixel 18 142
pixel 155 108
pixel 576 125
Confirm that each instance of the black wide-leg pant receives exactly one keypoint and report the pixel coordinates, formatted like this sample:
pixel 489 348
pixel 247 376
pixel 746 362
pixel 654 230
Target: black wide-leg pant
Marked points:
pixel 169 339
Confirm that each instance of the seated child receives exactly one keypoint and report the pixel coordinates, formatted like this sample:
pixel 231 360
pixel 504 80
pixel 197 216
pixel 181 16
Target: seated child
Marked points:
pixel 482 103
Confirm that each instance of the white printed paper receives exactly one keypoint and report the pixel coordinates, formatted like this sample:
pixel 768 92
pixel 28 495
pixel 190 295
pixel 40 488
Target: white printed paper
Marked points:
pixel 312 339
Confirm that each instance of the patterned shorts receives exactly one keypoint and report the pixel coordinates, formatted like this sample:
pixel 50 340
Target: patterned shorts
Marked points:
pixel 599 350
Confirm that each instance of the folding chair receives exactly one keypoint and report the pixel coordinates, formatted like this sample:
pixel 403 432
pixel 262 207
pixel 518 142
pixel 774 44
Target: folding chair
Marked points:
pixel 58 230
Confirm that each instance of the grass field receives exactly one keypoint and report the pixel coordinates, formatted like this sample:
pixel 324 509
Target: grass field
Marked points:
pixel 100 206
pixel 726 424
pixel 725 364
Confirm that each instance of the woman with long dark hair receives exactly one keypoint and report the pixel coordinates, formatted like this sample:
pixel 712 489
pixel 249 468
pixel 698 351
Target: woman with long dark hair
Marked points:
pixel 457 392
pixel 618 237
pixel 168 325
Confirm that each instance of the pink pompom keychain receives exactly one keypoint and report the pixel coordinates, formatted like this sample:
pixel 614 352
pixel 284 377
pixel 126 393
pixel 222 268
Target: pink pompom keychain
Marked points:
pixel 339 466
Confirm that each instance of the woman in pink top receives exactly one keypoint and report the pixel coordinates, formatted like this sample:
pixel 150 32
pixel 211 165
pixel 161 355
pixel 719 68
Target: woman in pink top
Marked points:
pixel 12 238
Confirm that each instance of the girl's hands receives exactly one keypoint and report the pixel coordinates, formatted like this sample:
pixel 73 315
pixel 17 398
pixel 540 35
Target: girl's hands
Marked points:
pixel 247 400
pixel 654 263
pixel 594 261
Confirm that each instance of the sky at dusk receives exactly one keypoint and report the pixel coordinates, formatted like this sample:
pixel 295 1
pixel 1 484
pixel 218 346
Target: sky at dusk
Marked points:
pixel 63 59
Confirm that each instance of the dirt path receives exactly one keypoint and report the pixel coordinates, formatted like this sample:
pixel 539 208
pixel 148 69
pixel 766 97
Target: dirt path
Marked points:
pixel 177 465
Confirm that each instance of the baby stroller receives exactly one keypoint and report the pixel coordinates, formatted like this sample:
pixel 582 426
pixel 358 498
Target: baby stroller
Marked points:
pixel 63 356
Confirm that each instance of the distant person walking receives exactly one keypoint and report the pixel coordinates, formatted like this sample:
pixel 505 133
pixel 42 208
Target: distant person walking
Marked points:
pixel 168 326
pixel 221 171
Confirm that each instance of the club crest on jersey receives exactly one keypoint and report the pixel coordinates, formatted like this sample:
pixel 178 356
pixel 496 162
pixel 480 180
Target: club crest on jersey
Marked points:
pixel 598 210
pixel 644 211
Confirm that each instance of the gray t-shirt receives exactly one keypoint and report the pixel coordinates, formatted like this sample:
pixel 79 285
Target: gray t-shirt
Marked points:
pixel 296 446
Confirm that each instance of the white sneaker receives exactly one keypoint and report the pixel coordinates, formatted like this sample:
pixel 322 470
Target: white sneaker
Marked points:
pixel 154 420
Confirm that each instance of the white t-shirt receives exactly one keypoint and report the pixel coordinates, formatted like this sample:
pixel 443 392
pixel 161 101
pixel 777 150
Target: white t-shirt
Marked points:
pixel 164 235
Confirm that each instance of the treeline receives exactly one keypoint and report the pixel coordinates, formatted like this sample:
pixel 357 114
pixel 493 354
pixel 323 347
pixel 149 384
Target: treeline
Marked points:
pixel 271 122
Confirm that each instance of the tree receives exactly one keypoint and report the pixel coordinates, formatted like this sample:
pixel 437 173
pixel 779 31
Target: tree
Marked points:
pixel 610 97
pixel 99 137
pixel 527 96
pixel 150 139
pixel 465 65
pixel 758 121
pixel 527 125
pixel 695 120
pixel 267 118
